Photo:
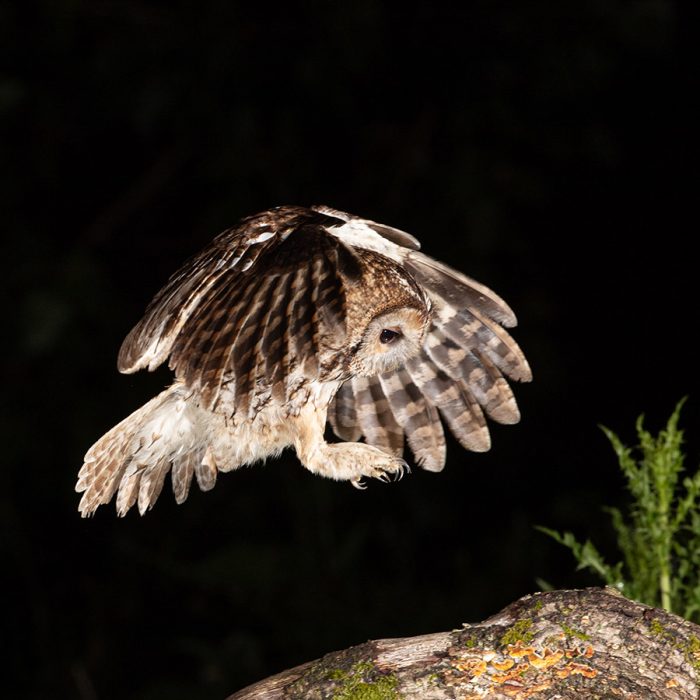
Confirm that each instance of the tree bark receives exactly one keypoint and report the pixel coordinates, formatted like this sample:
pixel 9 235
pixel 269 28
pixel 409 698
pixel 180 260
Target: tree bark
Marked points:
pixel 562 645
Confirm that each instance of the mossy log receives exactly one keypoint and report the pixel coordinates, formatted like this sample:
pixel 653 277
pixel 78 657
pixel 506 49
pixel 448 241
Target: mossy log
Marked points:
pixel 583 644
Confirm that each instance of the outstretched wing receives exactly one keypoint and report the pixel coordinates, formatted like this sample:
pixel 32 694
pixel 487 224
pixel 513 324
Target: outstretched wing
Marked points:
pixel 460 374
pixel 250 309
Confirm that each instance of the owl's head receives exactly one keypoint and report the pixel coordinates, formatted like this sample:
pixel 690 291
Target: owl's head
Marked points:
pixel 390 339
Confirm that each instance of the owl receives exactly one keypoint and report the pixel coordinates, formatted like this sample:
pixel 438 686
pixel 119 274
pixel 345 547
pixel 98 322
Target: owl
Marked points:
pixel 295 318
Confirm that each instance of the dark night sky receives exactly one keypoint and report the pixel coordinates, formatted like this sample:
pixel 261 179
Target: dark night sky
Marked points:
pixel 546 150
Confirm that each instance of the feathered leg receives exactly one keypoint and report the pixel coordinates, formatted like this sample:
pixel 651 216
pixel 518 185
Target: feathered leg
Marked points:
pixel 343 461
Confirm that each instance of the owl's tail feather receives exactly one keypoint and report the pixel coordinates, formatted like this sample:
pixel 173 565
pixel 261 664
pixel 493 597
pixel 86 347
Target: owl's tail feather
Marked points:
pixel 133 459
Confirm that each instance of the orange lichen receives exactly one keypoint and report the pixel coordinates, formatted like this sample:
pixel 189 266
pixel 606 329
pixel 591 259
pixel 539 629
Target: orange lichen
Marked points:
pixel 573 652
pixel 517 650
pixel 472 667
pixel 573 669
pixel 673 683
pixel 549 658
pixel 583 670
pixel 524 693
pixel 511 676
pixel 521 670
pixel 503 665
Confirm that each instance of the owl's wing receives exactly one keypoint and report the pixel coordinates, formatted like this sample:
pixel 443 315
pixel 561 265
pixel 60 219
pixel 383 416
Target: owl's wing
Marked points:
pixel 460 374
pixel 252 306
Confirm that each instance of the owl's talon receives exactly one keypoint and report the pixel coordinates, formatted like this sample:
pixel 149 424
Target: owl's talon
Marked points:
pixel 405 469
pixel 358 484
pixel 391 469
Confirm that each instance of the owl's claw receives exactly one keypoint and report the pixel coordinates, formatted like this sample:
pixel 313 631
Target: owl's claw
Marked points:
pixel 397 468
pixel 358 484
pixel 405 469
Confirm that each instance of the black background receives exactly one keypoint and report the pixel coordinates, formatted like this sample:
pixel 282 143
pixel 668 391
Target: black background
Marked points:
pixel 544 148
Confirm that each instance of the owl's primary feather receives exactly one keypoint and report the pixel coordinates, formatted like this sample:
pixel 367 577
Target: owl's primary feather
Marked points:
pixel 295 317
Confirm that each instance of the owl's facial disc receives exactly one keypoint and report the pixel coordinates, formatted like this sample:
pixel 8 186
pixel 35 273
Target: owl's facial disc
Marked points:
pixel 390 339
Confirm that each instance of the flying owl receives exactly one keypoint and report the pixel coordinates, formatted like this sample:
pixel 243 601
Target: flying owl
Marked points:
pixel 295 318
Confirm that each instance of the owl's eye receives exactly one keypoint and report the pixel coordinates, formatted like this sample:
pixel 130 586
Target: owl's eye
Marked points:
pixel 388 336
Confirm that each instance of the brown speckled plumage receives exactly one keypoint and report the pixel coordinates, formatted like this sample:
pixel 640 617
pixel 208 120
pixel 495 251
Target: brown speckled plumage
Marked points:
pixel 279 325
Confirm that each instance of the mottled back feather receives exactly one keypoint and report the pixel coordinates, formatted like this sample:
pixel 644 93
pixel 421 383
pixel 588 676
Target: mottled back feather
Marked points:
pixel 250 310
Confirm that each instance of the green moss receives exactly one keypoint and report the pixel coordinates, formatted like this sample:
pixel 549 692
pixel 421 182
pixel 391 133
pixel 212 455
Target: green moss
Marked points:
pixel 693 645
pixel 364 682
pixel 537 605
pixel 658 629
pixel 691 649
pixel 470 643
pixel 571 632
pixel 519 632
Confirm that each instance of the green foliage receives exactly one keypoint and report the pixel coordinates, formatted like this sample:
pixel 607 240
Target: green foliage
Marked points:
pixel 659 536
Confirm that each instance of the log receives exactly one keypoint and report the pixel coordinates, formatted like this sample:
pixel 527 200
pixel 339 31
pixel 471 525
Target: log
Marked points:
pixel 562 645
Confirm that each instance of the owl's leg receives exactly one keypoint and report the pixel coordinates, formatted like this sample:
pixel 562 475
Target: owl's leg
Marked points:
pixel 352 461
pixel 343 461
